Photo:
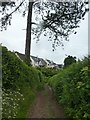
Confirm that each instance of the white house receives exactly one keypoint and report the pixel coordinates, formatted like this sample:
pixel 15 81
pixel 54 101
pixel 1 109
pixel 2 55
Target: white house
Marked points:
pixel 39 62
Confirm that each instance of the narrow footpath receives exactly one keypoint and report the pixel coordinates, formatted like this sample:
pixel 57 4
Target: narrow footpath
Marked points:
pixel 46 106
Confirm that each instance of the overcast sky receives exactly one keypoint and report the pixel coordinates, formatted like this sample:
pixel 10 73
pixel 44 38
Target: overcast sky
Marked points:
pixel 14 39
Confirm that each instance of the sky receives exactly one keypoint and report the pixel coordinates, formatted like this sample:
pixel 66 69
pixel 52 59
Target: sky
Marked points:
pixel 14 39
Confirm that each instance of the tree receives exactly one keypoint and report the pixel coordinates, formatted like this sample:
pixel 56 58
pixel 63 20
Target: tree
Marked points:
pixel 28 34
pixel 58 19
pixel 69 60
pixel 6 19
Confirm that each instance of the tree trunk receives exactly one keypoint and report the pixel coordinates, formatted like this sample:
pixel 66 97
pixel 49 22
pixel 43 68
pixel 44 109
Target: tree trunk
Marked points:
pixel 28 33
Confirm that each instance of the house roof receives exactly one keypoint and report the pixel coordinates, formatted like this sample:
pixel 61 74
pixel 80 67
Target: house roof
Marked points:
pixel 36 59
pixel 50 62
pixel 40 61
pixel 43 61
pixel 22 56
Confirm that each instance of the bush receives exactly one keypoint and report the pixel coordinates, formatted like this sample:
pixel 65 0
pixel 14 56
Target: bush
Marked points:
pixel 20 82
pixel 48 72
pixel 71 87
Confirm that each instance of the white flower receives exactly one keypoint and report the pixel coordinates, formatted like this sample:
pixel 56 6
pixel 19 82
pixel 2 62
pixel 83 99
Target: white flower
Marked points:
pixel 15 95
pixel 21 94
pixel 23 99
pixel 14 107
pixel 9 111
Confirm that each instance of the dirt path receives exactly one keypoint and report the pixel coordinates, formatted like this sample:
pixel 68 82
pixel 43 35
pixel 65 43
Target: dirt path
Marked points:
pixel 46 106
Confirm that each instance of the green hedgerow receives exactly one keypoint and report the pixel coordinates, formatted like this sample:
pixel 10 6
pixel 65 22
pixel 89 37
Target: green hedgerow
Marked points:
pixel 71 87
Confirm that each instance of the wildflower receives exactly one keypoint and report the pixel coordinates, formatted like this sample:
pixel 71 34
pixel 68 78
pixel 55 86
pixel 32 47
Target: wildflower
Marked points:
pixel 23 99
pixel 22 95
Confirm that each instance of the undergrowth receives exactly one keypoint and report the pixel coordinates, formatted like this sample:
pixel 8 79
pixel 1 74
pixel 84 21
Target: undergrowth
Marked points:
pixel 72 88
pixel 20 85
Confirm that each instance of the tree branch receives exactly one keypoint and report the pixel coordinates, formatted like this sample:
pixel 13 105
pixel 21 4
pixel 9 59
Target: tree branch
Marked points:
pixel 12 11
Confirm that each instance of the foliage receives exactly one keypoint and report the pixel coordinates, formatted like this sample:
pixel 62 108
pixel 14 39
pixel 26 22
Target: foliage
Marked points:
pixel 11 100
pixel 58 19
pixel 20 82
pixel 7 9
pixel 71 87
pixel 48 72
pixel 69 60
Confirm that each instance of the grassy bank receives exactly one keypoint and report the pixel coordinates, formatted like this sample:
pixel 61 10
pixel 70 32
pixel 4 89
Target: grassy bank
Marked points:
pixel 71 87
pixel 20 85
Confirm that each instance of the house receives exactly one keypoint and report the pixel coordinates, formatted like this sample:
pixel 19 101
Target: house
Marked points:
pixel 39 62
pixel 60 65
pixel 50 64
pixel 35 61
pixel 20 56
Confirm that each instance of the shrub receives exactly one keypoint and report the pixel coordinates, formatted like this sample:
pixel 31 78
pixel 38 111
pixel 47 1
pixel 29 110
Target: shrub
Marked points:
pixel 71 87
pixel 16 76
pixel 48 72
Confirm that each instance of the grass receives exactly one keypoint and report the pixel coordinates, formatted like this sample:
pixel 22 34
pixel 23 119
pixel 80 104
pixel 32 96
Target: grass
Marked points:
pixel 27 104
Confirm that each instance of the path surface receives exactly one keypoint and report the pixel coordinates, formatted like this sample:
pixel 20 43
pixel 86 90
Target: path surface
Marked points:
pixel 46 106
